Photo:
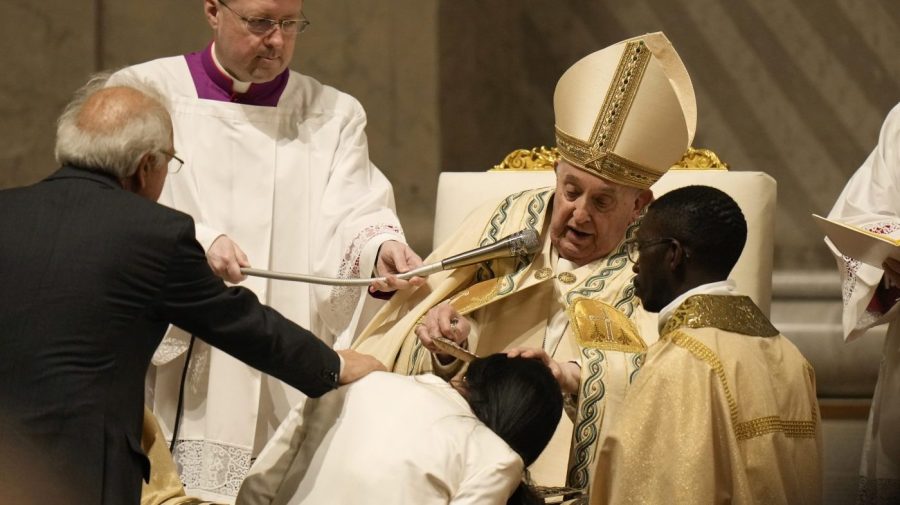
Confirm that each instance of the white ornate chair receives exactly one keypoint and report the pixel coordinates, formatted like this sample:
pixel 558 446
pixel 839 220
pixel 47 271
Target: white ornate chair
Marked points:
pixel 461 192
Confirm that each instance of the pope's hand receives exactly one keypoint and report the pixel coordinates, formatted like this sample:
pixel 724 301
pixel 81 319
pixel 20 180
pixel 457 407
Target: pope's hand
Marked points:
pixel 395 258
pixel 357 366
pixel 567 374
pixel 443 320
pixel 225 259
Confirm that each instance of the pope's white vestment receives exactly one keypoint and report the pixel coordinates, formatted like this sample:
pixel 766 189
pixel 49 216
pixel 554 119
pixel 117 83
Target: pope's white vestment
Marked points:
pixel 291 183
pixel 871 200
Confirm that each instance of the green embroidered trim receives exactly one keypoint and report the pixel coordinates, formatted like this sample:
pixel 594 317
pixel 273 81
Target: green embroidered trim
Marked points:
pixel 415 357
pixel 590 407
pixel 637 361
pixel 535 207
pixel 615 262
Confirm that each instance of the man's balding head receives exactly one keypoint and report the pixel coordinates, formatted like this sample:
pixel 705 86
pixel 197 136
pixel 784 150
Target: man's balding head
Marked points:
pixel 112 129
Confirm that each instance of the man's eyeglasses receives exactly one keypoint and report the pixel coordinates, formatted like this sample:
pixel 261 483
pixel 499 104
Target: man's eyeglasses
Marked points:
pixel 633 247
pixel 175 163
pixel 265 26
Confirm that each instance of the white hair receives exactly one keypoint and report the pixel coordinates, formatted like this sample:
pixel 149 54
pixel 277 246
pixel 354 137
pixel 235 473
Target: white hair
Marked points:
pixel 116 146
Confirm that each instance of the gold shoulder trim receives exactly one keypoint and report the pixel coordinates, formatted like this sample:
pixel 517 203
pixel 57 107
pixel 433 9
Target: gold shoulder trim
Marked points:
pixel 536 159
pixel 737 314
pixel 599 325
pixel 752 428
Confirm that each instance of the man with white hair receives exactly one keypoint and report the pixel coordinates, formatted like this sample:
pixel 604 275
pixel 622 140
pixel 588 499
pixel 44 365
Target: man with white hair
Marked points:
pixel 94 271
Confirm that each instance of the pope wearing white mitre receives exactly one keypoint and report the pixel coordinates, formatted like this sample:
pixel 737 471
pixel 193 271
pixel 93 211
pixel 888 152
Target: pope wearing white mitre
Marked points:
pixel 624 115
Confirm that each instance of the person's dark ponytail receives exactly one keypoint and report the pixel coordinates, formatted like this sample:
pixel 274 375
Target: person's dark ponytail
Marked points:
pixel 524 495
pixel 520 401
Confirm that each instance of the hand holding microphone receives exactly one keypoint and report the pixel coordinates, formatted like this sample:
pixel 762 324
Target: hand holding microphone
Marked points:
pixel 520 243
pixel 393 258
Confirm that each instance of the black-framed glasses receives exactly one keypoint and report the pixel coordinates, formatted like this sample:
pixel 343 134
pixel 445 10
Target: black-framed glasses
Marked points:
pixel 633 247
pixel 265 26
pixel 175 163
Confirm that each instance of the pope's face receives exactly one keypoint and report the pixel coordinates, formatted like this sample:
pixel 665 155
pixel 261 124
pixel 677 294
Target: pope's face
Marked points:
pixel 247 56
pixel 590 214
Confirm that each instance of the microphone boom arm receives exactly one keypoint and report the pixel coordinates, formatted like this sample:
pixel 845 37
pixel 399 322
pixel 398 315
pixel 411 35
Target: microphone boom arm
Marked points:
pixel 520 244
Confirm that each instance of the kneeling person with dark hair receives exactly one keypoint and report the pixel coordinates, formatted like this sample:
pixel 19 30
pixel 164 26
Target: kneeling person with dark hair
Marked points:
pixel 392 438
pixel 724 408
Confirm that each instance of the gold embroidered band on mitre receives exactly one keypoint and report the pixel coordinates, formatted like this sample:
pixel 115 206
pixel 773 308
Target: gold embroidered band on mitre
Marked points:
pixel 599 325
pixel 736 314
pixel 595 155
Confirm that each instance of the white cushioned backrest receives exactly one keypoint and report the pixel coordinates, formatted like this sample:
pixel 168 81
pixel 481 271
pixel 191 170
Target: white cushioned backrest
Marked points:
pixel 459 193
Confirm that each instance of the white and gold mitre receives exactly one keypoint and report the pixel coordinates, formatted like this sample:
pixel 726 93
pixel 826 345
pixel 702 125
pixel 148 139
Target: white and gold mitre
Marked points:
pixel 626 113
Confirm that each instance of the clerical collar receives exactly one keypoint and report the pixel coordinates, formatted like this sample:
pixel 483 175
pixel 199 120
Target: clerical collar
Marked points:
pixel 212 82
pixel 560 264
pixel 713 288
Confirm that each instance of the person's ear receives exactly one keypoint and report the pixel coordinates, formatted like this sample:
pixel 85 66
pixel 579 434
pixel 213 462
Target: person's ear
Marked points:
pixel 138 181
pixel 211 10
pixel 642 199
pixel 676 256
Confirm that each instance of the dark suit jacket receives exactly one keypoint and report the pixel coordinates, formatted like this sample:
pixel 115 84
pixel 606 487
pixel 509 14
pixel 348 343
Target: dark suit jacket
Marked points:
pixel 90 277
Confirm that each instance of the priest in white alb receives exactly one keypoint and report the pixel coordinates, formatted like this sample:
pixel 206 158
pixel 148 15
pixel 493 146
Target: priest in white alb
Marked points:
pixel 871 200
pixel 277 176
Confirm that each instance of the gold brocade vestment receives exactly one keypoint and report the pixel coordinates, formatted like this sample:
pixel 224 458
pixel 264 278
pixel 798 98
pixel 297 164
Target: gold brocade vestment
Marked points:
pixel 723 411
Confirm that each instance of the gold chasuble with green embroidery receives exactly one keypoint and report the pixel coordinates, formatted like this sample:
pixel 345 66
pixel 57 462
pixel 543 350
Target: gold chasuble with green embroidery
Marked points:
pixel 723 411
pixel 510 303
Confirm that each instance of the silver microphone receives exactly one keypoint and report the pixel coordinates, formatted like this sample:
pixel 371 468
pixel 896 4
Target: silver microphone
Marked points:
pixel 520 243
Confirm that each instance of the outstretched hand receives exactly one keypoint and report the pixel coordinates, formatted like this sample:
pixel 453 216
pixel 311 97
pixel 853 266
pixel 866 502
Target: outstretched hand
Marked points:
pixel 225 259
pixel 396 258
pixel 357 366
